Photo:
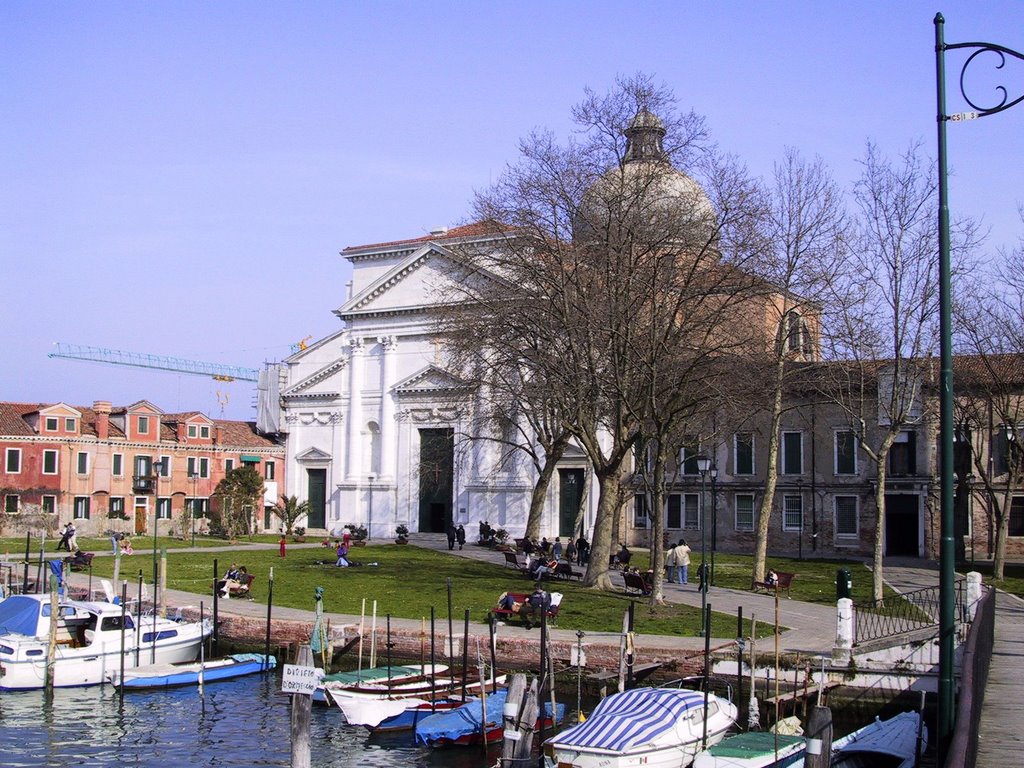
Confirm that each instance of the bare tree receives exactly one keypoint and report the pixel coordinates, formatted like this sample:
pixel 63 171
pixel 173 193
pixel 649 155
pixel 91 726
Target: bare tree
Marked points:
pixel 618 285
pixel 801 255
pixel 884 313
pixel 989 388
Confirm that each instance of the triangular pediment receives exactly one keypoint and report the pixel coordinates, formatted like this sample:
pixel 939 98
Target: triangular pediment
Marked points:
pixel 313 456
pixel 324 374
pixel 60 409
pixel 420 280
pixel 430 380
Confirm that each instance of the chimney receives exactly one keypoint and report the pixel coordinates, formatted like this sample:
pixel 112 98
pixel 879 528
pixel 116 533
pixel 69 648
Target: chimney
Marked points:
pixel 181 433
pixel 102 410
pixel 218 435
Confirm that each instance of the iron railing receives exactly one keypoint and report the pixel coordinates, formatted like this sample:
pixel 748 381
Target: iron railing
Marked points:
pixel 895 615
pixel 963 750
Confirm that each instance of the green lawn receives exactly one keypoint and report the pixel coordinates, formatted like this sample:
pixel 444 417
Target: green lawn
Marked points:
pixel 406 583
pixel 1013 573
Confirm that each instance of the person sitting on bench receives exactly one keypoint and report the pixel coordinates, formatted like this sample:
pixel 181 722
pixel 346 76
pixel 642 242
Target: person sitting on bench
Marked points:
pixel 536 604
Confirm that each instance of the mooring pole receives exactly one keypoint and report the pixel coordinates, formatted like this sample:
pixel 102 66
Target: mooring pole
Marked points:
pixel 270 605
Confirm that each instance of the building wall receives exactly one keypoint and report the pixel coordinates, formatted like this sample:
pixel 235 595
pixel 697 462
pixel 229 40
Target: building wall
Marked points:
pixel 118 461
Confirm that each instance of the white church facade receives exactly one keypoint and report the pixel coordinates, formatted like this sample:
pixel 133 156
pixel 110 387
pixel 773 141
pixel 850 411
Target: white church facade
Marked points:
pixel 377 430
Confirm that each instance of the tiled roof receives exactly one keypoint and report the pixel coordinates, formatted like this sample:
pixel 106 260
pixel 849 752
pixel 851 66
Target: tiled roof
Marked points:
pixel 477 229
pixel 241 434
pixel 12 421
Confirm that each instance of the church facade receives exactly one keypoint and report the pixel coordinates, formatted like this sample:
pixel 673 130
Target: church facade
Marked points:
pixel 378 431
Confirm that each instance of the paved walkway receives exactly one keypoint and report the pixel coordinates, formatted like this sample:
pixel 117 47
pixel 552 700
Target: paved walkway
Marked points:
pixel 810 627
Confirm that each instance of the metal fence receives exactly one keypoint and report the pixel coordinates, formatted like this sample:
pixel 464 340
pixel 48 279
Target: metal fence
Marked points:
pixel 895 615
pixel 963 749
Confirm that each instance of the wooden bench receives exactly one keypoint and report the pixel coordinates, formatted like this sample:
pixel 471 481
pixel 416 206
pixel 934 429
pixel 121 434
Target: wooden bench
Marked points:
pixel 80 562
pixel 520 597
pixel 785 582
pixel 244 586
pixel 517 561
pixel 635 584
pixel 564 570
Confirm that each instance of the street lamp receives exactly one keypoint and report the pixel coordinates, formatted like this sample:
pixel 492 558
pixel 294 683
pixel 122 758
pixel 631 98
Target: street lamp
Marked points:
pixel 947 550
pixel 703 466
pixel 158 468
pixel 194 504
pixel 714 518
pixel 369 509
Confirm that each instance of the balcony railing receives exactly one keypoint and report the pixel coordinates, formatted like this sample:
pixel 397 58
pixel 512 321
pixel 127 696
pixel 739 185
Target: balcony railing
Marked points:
pixel 144 483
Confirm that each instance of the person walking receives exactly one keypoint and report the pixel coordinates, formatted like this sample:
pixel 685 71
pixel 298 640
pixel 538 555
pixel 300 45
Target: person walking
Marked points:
pixel 282 545
pixel 460 535
pixel 451 536
pixel 556 549
pixel 680 555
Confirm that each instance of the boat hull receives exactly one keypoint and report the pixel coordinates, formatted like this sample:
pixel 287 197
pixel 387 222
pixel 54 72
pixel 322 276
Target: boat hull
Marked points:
pixel 189 673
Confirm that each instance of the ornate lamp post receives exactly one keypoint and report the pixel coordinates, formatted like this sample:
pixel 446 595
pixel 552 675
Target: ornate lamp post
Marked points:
pixel 158 468
pixel 713 472
pixel 195 503
pixel 947 550
pixel 703 466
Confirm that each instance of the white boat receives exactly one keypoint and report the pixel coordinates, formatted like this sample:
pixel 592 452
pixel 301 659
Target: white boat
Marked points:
pixel 371 704
pixel 888 743
pixel 653 727
pixel 89 642
pixel 884 743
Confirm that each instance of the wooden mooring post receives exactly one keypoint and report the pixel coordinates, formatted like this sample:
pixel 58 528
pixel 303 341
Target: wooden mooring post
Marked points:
pixel 302 706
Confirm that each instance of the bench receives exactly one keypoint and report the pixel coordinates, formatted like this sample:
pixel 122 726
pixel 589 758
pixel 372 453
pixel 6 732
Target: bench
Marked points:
pixel 520 597
pixel 244 585
pixel 564 570
pixel 785 582
pixel 80 562
pixel 635 584
pixel 517 561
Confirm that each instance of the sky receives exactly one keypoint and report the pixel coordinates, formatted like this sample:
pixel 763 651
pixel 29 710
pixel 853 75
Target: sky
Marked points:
pixel 178 178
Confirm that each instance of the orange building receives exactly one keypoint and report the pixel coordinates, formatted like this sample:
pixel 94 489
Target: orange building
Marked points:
pixel 124 468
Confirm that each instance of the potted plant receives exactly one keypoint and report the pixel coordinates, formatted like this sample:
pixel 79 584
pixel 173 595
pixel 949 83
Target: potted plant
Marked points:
pixel 300 534
pixel 501 541
pixel 403 534
pixel 359 534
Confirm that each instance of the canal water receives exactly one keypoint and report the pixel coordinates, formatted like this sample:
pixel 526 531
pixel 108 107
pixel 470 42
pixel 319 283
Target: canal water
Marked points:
pixel 237 723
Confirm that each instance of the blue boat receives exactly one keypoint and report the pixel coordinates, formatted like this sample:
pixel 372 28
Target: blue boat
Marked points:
pixel 462 726
pixel 190 673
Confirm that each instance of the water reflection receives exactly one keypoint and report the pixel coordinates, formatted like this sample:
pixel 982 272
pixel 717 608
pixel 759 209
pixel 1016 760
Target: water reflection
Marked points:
pixel 237 723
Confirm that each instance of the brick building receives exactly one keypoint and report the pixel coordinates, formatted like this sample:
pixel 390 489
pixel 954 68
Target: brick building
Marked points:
pixel 123 468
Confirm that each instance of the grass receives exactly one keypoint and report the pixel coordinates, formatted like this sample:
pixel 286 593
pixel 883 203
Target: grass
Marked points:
pixel 1013 576
pixel 407 583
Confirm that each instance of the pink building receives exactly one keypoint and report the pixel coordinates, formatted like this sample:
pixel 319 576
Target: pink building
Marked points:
pixel 124 468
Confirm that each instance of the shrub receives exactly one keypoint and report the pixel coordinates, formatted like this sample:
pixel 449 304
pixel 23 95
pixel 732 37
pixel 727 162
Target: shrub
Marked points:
pixel 402 531
pixel 359 532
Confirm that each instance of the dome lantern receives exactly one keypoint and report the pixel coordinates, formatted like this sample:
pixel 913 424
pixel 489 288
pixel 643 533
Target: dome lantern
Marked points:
pixel 644 138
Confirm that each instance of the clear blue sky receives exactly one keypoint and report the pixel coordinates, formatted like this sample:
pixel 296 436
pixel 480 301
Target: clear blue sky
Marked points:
pixel 179 177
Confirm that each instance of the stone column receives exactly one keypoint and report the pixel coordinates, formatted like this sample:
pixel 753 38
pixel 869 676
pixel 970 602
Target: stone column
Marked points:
pixel 354 449
pixel 843 650
pixel 388 425
pixel 974 592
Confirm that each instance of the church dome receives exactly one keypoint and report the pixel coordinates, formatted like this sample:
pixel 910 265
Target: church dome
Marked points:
pixel 646 192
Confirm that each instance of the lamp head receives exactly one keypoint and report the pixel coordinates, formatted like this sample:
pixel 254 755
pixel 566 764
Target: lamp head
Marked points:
pixel 703 464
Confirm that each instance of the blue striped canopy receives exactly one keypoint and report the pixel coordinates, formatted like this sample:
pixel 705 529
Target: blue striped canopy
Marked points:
pixel 631 718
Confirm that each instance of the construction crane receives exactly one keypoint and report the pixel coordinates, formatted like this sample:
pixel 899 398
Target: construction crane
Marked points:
pixel 144 360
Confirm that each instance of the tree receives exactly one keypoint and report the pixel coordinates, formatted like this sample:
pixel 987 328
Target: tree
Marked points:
pixel 289 509
pixel 801 255
pixel 617 284
pixel 237 496
pixel 989 389
pixel 884 313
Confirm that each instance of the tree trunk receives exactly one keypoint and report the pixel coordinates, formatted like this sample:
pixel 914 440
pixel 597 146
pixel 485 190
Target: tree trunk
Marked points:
pixel 540 489
pixel 657 543
pixel 877 589
pixel 764 513
pixel 601 542
pixel 1002 515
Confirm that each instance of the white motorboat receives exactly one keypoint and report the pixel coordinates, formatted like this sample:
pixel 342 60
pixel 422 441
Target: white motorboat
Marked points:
pixel 654 727
pixel 888 743
pixel 89 641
